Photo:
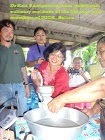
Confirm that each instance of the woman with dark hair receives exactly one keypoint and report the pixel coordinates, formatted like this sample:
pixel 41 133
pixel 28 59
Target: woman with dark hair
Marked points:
pixel 35 54
pixel 52 70
pixel 94 90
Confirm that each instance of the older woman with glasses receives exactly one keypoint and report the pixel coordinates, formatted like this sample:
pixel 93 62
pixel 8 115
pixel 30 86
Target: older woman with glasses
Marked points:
pixel 52 69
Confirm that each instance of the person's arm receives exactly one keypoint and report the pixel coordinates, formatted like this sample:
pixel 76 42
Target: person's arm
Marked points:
pixel 24 72
pixel 87 93
pixel 35 77
pixel 92 111
pixel 31 64
pixel 35 62
pixel 85 75
pixel 85 78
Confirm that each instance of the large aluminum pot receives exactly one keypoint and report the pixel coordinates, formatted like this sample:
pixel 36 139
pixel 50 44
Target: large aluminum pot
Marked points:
pixel 67 124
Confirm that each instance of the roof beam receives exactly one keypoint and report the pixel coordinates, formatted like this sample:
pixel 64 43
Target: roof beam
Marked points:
pixel 96 37
pixel 53 35
pixel 83 24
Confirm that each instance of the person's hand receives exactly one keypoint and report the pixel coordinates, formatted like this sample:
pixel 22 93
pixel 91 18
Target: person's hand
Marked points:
pixel 56 104
pixel 88 111
pixel 34 74
pixel 40 60
pixel 81 72
pixel 35 77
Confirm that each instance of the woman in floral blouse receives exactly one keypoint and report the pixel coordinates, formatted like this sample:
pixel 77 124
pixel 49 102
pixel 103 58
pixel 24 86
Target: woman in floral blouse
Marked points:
pixel 52 70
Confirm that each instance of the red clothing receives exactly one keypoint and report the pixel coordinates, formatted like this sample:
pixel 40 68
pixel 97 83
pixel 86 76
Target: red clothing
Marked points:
pixel 59 79
pixel 79 105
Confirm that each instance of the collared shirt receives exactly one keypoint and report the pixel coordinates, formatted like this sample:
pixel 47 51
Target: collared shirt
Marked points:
pixel 11 61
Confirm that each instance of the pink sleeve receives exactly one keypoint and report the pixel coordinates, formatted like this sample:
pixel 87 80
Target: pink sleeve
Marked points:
pixel 61 83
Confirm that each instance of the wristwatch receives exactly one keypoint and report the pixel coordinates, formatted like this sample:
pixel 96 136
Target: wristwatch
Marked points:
pixel 25 83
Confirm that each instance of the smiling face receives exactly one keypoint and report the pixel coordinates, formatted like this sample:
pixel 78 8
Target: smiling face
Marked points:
pixel 40 37
pixel 56 58
pixel 101 54
pixel 6 34
pixel 77 64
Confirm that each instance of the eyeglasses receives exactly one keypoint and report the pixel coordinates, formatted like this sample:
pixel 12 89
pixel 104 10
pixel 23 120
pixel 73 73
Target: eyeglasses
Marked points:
pixel 57 56
pixel 99 52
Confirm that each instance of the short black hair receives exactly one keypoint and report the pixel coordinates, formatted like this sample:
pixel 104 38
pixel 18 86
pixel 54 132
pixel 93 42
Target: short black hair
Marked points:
pixel 6 23
pixel 39 28
pixel 55 47
pixel 101 40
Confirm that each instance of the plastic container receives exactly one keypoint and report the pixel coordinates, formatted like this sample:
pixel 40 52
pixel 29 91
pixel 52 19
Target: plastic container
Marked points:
pixel 29 103
pixel 32 102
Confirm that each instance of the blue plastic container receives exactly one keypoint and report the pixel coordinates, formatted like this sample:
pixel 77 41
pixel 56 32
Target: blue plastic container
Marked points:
pixel 32 102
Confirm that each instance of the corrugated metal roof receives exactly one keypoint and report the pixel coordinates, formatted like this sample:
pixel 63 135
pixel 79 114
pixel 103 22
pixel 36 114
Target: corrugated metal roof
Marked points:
pixel 72 22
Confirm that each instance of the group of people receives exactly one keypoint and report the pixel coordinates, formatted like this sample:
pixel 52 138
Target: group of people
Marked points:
pixel 93 90
pixel 73 89
pixel 53 71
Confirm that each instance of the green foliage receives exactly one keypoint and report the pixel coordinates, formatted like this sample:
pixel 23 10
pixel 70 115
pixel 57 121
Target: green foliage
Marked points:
pixel 88 55
pixel 25 50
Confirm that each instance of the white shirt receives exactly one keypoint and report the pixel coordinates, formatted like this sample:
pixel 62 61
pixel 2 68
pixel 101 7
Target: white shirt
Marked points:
pixel 77 80
pixel 103 75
